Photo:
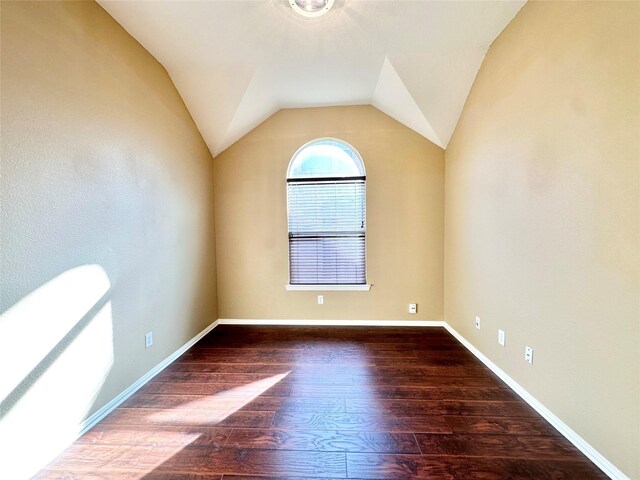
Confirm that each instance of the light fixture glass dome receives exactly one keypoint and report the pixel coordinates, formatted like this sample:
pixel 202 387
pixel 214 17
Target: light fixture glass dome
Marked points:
pixel 311 8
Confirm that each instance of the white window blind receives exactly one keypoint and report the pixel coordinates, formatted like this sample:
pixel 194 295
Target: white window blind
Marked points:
pixel 327 231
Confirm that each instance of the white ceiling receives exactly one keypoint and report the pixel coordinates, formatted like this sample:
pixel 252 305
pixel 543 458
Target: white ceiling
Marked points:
pixel 236 62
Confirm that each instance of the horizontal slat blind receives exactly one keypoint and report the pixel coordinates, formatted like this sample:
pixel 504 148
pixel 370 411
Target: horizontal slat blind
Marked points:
pixel 327 232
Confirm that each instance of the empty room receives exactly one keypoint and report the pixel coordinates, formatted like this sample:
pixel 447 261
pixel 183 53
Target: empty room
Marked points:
pixel 319 239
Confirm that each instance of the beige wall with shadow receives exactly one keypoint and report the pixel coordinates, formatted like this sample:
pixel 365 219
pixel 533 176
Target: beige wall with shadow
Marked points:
pixel 107 197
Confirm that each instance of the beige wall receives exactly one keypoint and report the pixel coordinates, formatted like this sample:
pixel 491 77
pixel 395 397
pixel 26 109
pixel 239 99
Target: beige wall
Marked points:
pixel 542 215
pixel 404 219
pixel 103 167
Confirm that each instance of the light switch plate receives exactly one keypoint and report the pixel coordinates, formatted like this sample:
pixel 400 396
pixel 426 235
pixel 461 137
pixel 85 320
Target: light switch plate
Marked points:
pixel 148 340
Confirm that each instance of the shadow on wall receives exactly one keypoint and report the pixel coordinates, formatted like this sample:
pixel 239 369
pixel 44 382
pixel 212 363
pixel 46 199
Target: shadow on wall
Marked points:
pixel 56 349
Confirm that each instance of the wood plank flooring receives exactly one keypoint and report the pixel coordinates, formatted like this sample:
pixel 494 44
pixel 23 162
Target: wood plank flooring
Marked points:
pixel 293 403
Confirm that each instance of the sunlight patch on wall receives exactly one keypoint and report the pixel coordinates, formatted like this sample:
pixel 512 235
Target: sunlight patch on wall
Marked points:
pixel 56 349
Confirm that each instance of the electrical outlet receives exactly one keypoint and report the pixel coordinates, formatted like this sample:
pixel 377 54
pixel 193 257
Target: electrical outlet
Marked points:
pixel 528 355
pixel 148 340
pixel 477 322
pixel 320 299
pixel 501 337
pixel 413 308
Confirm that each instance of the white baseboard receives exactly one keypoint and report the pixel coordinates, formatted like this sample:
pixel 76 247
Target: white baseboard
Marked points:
pixel 580 443
pixel 133 388
pixel 596 457
pixel 340 323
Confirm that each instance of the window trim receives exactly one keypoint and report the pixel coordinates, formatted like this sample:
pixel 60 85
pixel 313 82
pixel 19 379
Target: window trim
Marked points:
pixel 356 287
pixel 318 287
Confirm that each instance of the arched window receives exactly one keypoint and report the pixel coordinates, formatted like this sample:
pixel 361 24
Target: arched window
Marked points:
pixel 326 200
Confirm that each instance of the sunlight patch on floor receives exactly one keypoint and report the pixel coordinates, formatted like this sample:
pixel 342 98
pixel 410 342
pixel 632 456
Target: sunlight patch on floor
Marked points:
pixel 220 405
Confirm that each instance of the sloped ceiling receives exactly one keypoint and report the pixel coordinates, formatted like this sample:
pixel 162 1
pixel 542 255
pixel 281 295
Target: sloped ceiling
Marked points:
pixel 237 62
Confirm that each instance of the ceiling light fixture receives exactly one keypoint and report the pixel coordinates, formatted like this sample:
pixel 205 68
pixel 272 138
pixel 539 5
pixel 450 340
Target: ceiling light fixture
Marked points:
pixel 311 8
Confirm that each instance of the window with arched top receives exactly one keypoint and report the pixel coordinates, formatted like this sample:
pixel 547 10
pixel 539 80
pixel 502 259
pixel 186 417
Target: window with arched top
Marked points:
pixel 326 203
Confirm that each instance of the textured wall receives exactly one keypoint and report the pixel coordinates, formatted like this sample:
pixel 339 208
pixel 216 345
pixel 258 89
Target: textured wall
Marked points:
pixel 107 220
pixel 542 215
pixel 404 219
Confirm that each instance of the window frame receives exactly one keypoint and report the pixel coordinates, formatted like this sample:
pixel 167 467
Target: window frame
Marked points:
pixel 326 287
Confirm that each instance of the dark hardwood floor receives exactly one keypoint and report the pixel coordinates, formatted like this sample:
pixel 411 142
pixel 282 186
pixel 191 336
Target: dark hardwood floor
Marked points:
pixel 286 403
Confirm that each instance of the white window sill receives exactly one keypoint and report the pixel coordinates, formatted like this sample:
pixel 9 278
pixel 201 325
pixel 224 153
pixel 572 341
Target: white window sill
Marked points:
pixel 328 288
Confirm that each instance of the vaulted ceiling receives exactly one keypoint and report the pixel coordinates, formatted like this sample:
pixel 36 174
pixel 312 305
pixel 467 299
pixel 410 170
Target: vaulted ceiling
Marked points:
pixel 237 62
